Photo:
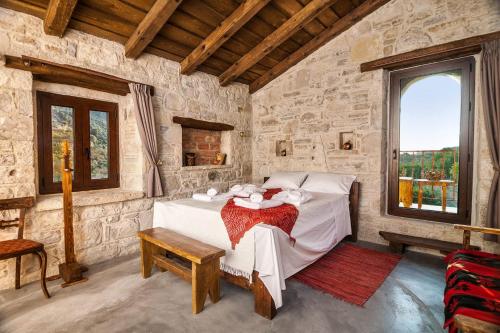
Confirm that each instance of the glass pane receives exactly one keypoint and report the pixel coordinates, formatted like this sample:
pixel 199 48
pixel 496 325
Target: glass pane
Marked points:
pixel 99 143
pixel 429 142
pixel 62 119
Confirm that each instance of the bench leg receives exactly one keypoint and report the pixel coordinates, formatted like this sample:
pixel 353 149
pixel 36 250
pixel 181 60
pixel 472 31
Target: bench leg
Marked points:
pixel 397 247
pixel 205 280
pixel 147 251
pixel 199 286
pixel 214 290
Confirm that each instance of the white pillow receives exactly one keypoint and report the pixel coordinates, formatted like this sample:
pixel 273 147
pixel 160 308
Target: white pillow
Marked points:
pixel 286 180
pixel 328 183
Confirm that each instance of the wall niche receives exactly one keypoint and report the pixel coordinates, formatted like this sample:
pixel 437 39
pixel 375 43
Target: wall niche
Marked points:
pixel 204 143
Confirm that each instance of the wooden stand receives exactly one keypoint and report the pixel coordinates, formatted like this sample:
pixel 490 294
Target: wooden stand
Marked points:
pixel 70 271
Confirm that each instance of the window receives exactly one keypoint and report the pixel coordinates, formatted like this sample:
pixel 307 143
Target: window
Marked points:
pixel 431 141
pixel 91 128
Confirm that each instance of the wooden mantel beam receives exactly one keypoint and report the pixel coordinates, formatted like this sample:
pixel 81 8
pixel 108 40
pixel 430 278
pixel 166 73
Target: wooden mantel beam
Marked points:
pixel 238 18
pixel 47 71
pixel 154 20
pixel 333 31
pixel 285 31
pixel 201 124
pixel 58 16
pixel 457 48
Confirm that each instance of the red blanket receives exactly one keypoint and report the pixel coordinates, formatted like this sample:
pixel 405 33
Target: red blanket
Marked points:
pixel 239 220
pixel 472 287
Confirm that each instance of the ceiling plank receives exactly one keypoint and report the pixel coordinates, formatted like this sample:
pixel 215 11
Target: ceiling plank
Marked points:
pixel 336 29
pixel 257 26
pixel 457 48
pixel 58 16
pixel 154 20
pixel 221 34
pixel 285 31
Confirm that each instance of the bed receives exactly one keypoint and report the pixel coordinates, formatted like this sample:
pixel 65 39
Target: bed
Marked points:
pixel 265 257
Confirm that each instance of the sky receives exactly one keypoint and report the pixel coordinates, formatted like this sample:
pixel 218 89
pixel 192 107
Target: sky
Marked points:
pixel 430 114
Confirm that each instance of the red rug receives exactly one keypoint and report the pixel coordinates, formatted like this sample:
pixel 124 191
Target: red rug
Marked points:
pixel 350 273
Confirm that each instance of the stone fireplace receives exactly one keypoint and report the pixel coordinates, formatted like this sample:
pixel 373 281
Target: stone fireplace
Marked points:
pixel 205 144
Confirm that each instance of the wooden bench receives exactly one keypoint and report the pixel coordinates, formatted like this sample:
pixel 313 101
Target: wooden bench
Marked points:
pixel 204 258
pixel 399 242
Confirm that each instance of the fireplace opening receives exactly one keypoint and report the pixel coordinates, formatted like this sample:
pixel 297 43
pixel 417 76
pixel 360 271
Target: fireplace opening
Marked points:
pixel 203 147
pixel 204 143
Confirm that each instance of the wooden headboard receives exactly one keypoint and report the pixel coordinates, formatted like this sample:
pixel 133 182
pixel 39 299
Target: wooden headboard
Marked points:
pixel 353 208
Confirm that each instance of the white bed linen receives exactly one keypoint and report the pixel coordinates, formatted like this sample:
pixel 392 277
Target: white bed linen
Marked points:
pixel 322 223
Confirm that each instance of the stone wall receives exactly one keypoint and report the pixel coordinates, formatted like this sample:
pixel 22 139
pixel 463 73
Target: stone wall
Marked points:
pixel 326 94
pixel 106 221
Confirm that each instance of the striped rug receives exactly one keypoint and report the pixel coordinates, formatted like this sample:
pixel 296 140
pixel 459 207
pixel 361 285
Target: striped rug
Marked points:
pixel 349 272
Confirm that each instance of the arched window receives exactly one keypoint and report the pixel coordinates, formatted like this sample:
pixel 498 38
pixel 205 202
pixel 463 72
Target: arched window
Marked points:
pixel 431 131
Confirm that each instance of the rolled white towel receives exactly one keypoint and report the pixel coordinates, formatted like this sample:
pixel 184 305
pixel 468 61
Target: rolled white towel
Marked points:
pixel 249 187
pixel 222 197
pixel 212 192
pixel 256 197
pixel 202 197
pixel 242 194
pixel 236 188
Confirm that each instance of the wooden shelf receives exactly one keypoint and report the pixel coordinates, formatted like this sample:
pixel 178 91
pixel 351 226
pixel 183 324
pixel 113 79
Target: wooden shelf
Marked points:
pixel 203 125
pixel 47 71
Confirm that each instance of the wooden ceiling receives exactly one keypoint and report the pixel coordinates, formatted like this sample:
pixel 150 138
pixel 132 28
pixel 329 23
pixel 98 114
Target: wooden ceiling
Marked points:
pixel 248 41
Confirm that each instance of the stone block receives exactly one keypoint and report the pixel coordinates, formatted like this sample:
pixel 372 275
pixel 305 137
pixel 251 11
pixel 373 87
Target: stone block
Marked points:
pixel 127 227
pixel 88 234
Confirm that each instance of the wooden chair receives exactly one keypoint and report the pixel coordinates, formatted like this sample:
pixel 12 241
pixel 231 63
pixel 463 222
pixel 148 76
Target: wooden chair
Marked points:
pixel 16 248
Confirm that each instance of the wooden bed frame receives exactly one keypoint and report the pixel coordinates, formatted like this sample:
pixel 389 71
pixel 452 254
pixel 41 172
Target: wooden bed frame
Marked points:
pixel 264 304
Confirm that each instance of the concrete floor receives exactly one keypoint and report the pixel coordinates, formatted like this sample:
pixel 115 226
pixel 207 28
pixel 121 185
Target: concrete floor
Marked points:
pixel 117 299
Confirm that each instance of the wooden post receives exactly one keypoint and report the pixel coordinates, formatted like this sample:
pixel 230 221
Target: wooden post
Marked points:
pixel 444 188
pixel 466 239
pixel 70 270
pixel 67 185
pixel 420 195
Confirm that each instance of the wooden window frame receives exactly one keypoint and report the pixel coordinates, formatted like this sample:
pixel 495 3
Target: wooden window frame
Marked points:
pixel 466 142
pixel 82 180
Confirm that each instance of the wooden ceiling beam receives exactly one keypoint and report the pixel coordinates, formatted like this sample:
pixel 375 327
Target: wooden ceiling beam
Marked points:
pixel 154 20
pixel 221 34
pixel 23 7
pixel 58 16
pixel 258 27
pixel 285 31
pixel 336 29
pixel 291 7
pixel 457 48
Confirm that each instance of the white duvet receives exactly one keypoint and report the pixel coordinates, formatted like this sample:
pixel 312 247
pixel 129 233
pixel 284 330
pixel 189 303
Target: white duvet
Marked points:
pixel 322 223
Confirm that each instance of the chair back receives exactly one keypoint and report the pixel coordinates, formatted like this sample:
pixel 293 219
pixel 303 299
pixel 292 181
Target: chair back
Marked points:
pixel 20 204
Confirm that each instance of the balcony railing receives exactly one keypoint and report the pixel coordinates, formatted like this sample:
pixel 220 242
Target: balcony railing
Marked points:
pixel 428 179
